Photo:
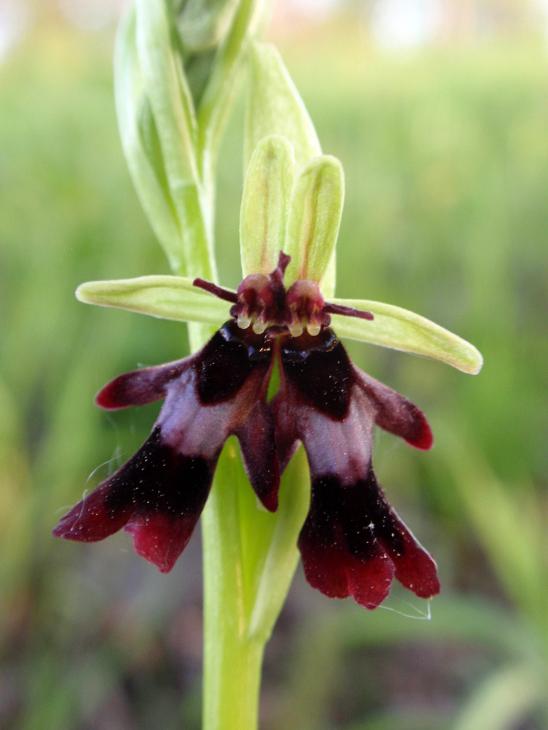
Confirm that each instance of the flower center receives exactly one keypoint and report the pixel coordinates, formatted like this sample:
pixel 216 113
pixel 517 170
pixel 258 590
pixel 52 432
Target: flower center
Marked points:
pixel 263 303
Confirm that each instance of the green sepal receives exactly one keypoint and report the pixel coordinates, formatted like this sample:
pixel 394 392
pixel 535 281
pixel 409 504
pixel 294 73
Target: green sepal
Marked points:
pixel 165 85
pixel 314 218
pixel 166 297
pixel 275 107
pixel 265 202
pixel 403 330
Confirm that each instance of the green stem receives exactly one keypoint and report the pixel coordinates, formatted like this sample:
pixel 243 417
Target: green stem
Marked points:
pixel 233 651
pixel 231 689
pixel 232 660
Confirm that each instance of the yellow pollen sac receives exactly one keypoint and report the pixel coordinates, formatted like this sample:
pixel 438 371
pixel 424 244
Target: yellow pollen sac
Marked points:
pixel 295 329
pixel 259 326
pixel 243 322
pixel 313 328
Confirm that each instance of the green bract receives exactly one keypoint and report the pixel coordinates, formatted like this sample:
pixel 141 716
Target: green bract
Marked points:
pixel 158 130
pixel 170 132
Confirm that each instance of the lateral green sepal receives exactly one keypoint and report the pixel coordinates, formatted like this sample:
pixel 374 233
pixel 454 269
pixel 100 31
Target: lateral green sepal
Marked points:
pixel 400 329
pixel 166 297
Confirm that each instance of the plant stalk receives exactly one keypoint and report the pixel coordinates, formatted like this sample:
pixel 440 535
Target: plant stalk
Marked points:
pixel 232 658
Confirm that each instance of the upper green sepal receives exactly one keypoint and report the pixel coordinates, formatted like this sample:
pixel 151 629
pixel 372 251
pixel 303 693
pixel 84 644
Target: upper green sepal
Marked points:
pixel 314 219
pixel 167 297
pixel 403 330
pixel 265 203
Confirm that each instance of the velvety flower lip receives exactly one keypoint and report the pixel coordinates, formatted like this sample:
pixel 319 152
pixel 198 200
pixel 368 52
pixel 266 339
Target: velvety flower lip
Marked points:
pixel 352 542
pixel 159 493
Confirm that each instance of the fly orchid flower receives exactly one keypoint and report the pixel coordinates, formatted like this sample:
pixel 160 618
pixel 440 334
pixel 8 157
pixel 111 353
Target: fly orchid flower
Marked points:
pixel 352 542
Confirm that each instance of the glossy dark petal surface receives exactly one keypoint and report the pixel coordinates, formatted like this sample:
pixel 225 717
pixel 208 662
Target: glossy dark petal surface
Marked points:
pixel 257 441
pixel 353 543
pixel 228 359
pixel 320 370
pixel 341 555
pixel 159 493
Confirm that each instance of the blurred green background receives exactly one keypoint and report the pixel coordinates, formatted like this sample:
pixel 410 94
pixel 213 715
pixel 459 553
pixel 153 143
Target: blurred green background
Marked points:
pixel 446 157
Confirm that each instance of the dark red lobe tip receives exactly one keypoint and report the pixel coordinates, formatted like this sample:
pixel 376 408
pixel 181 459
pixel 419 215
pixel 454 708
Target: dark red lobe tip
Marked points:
pixel 160 538
pixel 423 438
pixel 110 397
pixel 140 387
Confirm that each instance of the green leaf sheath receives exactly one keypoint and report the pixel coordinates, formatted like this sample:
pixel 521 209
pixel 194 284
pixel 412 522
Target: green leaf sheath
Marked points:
pixel 141 144
pixel 220 89
pixel 158 130
pixel 314 219
pixel 400 329
pixel 265 202
pixel 165 85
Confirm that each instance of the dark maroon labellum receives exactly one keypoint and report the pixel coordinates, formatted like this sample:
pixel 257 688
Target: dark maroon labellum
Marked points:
pixel 319 368
pixel 352 543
